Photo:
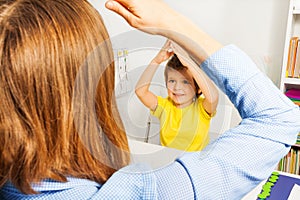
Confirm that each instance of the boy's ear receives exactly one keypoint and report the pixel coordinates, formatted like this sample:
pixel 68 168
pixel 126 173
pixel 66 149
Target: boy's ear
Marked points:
pixel 199 92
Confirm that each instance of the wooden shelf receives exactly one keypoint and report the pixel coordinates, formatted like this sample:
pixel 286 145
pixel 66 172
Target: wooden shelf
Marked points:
pixel 296 11
pixel 292 30
pixel 296 145
pixel 295 81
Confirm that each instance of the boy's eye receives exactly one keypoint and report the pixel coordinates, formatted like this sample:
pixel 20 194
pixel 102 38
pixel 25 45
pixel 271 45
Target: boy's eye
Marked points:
pixel 186 82
pixel 171 81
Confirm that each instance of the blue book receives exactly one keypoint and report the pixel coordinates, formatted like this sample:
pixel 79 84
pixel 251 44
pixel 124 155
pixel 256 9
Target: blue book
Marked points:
pixel 278 187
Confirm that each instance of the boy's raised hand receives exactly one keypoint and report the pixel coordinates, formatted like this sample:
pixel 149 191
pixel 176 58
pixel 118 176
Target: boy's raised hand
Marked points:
pixel 164 54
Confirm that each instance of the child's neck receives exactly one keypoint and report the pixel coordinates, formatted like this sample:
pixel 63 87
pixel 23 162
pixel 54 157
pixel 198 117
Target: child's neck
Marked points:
pixel 180 106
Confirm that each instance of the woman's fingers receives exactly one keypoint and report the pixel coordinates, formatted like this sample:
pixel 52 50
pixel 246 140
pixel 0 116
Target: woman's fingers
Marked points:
pixel 151 16
pixel 121 9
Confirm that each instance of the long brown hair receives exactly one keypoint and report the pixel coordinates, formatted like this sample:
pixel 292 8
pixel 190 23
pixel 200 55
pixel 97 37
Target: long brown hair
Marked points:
pixel 58 115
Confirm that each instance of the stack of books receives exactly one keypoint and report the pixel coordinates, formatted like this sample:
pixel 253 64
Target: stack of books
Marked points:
pixel 290 162
pixel 293 63
pixel 294 95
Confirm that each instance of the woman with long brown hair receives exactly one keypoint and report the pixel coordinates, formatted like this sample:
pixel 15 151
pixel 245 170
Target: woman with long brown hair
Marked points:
pixel 57 86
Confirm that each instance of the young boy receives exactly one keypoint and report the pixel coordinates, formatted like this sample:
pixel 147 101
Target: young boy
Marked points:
pixel 192 100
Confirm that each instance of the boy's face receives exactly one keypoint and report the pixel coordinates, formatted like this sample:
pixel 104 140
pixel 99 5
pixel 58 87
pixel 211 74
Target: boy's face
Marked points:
pixel 181 87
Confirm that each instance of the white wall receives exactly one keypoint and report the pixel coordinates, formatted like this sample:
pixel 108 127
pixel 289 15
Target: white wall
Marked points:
pixel 256 26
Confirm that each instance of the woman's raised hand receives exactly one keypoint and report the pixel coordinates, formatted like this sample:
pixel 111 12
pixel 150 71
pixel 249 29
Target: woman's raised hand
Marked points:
pixel 151 16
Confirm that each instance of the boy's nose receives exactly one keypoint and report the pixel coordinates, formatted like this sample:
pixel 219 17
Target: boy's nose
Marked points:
pixel 177 86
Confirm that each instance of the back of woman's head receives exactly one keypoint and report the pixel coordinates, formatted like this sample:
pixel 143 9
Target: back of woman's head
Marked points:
pixel 58 115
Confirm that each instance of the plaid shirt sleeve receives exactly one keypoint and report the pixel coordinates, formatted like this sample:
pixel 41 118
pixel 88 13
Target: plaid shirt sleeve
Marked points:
pixel 245 155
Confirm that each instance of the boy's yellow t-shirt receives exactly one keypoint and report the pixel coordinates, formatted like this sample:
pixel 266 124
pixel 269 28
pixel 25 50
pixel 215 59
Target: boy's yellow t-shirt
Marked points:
pixel 183 128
